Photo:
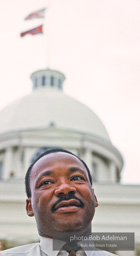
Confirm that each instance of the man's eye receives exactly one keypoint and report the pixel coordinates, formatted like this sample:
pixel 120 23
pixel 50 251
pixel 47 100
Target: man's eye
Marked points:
pixel 77 177
pixel 46 182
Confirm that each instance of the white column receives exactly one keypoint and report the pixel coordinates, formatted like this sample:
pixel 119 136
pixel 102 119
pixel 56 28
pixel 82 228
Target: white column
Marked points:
pixel 28 154
pixel 8 163
pixel 18 164
pixel 88 158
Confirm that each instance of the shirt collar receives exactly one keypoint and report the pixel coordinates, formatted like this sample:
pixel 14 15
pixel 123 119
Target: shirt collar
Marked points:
pixel 46 245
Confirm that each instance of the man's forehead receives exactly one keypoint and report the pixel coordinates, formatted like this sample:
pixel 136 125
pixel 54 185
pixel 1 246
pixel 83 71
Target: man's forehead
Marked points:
pixel 57 158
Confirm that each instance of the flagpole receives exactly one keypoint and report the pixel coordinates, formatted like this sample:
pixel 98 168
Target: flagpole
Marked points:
pixel 40 29
pixel 48 34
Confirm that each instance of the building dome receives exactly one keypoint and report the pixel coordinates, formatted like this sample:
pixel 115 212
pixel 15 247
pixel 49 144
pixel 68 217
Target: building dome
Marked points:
pixel 49 118
pixel 46 107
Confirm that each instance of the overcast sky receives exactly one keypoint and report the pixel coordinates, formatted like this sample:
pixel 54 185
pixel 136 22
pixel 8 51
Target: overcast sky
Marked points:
pixel 96 44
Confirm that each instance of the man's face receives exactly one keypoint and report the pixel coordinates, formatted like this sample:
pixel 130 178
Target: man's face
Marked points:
pixel 62 199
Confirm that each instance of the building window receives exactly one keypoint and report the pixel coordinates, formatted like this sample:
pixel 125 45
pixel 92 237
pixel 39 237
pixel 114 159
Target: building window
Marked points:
pixel 1 169
pixel 43 80
pixel 35 82
pixel 59 84
pixel 118 175
pixel 94 172
pixel 52 81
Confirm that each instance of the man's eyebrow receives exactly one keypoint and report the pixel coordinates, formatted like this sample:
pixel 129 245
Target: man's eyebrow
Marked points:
pixel 44 174
pixel 74 169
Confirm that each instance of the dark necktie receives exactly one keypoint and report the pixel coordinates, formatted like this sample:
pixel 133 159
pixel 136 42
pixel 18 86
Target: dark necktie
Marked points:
pixel 70 250
pixel 72 253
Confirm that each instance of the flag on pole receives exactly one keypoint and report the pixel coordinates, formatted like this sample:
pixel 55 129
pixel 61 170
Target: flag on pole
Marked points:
pixel 33 31
pixel 36 15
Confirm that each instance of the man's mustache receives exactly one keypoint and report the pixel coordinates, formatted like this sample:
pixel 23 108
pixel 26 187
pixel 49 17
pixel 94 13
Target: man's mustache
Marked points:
pixel 66 198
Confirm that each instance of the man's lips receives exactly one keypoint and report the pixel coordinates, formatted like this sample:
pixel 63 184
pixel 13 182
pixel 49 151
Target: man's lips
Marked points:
pixel 71 202
pixel 67 203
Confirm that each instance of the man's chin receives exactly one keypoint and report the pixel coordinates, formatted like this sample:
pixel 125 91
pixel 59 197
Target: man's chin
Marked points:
pixel 66 234
pixel 70 226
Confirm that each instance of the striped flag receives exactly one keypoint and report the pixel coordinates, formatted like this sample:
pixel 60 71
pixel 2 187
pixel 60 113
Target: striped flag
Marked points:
pixel 33 31
pixel 36 15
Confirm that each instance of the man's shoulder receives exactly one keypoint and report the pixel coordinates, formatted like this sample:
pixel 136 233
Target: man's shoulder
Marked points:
pixel 23 249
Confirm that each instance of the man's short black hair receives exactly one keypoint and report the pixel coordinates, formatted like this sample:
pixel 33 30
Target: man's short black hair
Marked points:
pixel 46 152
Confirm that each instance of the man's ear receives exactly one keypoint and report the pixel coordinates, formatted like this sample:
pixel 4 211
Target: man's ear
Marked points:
pixel 96 201
pixel 29 209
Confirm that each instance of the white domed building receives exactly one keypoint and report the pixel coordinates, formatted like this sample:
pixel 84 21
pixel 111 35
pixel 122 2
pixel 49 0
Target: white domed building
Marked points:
pixel 49 118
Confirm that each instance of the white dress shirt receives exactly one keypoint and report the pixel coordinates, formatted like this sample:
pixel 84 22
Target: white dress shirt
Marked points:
pixel 46 246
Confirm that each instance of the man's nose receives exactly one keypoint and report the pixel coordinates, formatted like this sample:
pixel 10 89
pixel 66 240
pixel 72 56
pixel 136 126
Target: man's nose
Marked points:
pixel 64 189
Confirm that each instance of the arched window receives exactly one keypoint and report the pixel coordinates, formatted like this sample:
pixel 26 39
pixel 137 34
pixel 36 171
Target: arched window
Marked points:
pixel 59 84
pixel 43 80
pixel 52 81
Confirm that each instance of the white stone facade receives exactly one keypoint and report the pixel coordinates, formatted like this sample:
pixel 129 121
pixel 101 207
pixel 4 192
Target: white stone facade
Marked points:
pixel 17 150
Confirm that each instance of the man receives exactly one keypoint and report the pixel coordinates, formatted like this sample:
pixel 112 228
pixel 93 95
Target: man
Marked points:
pixel 61 198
